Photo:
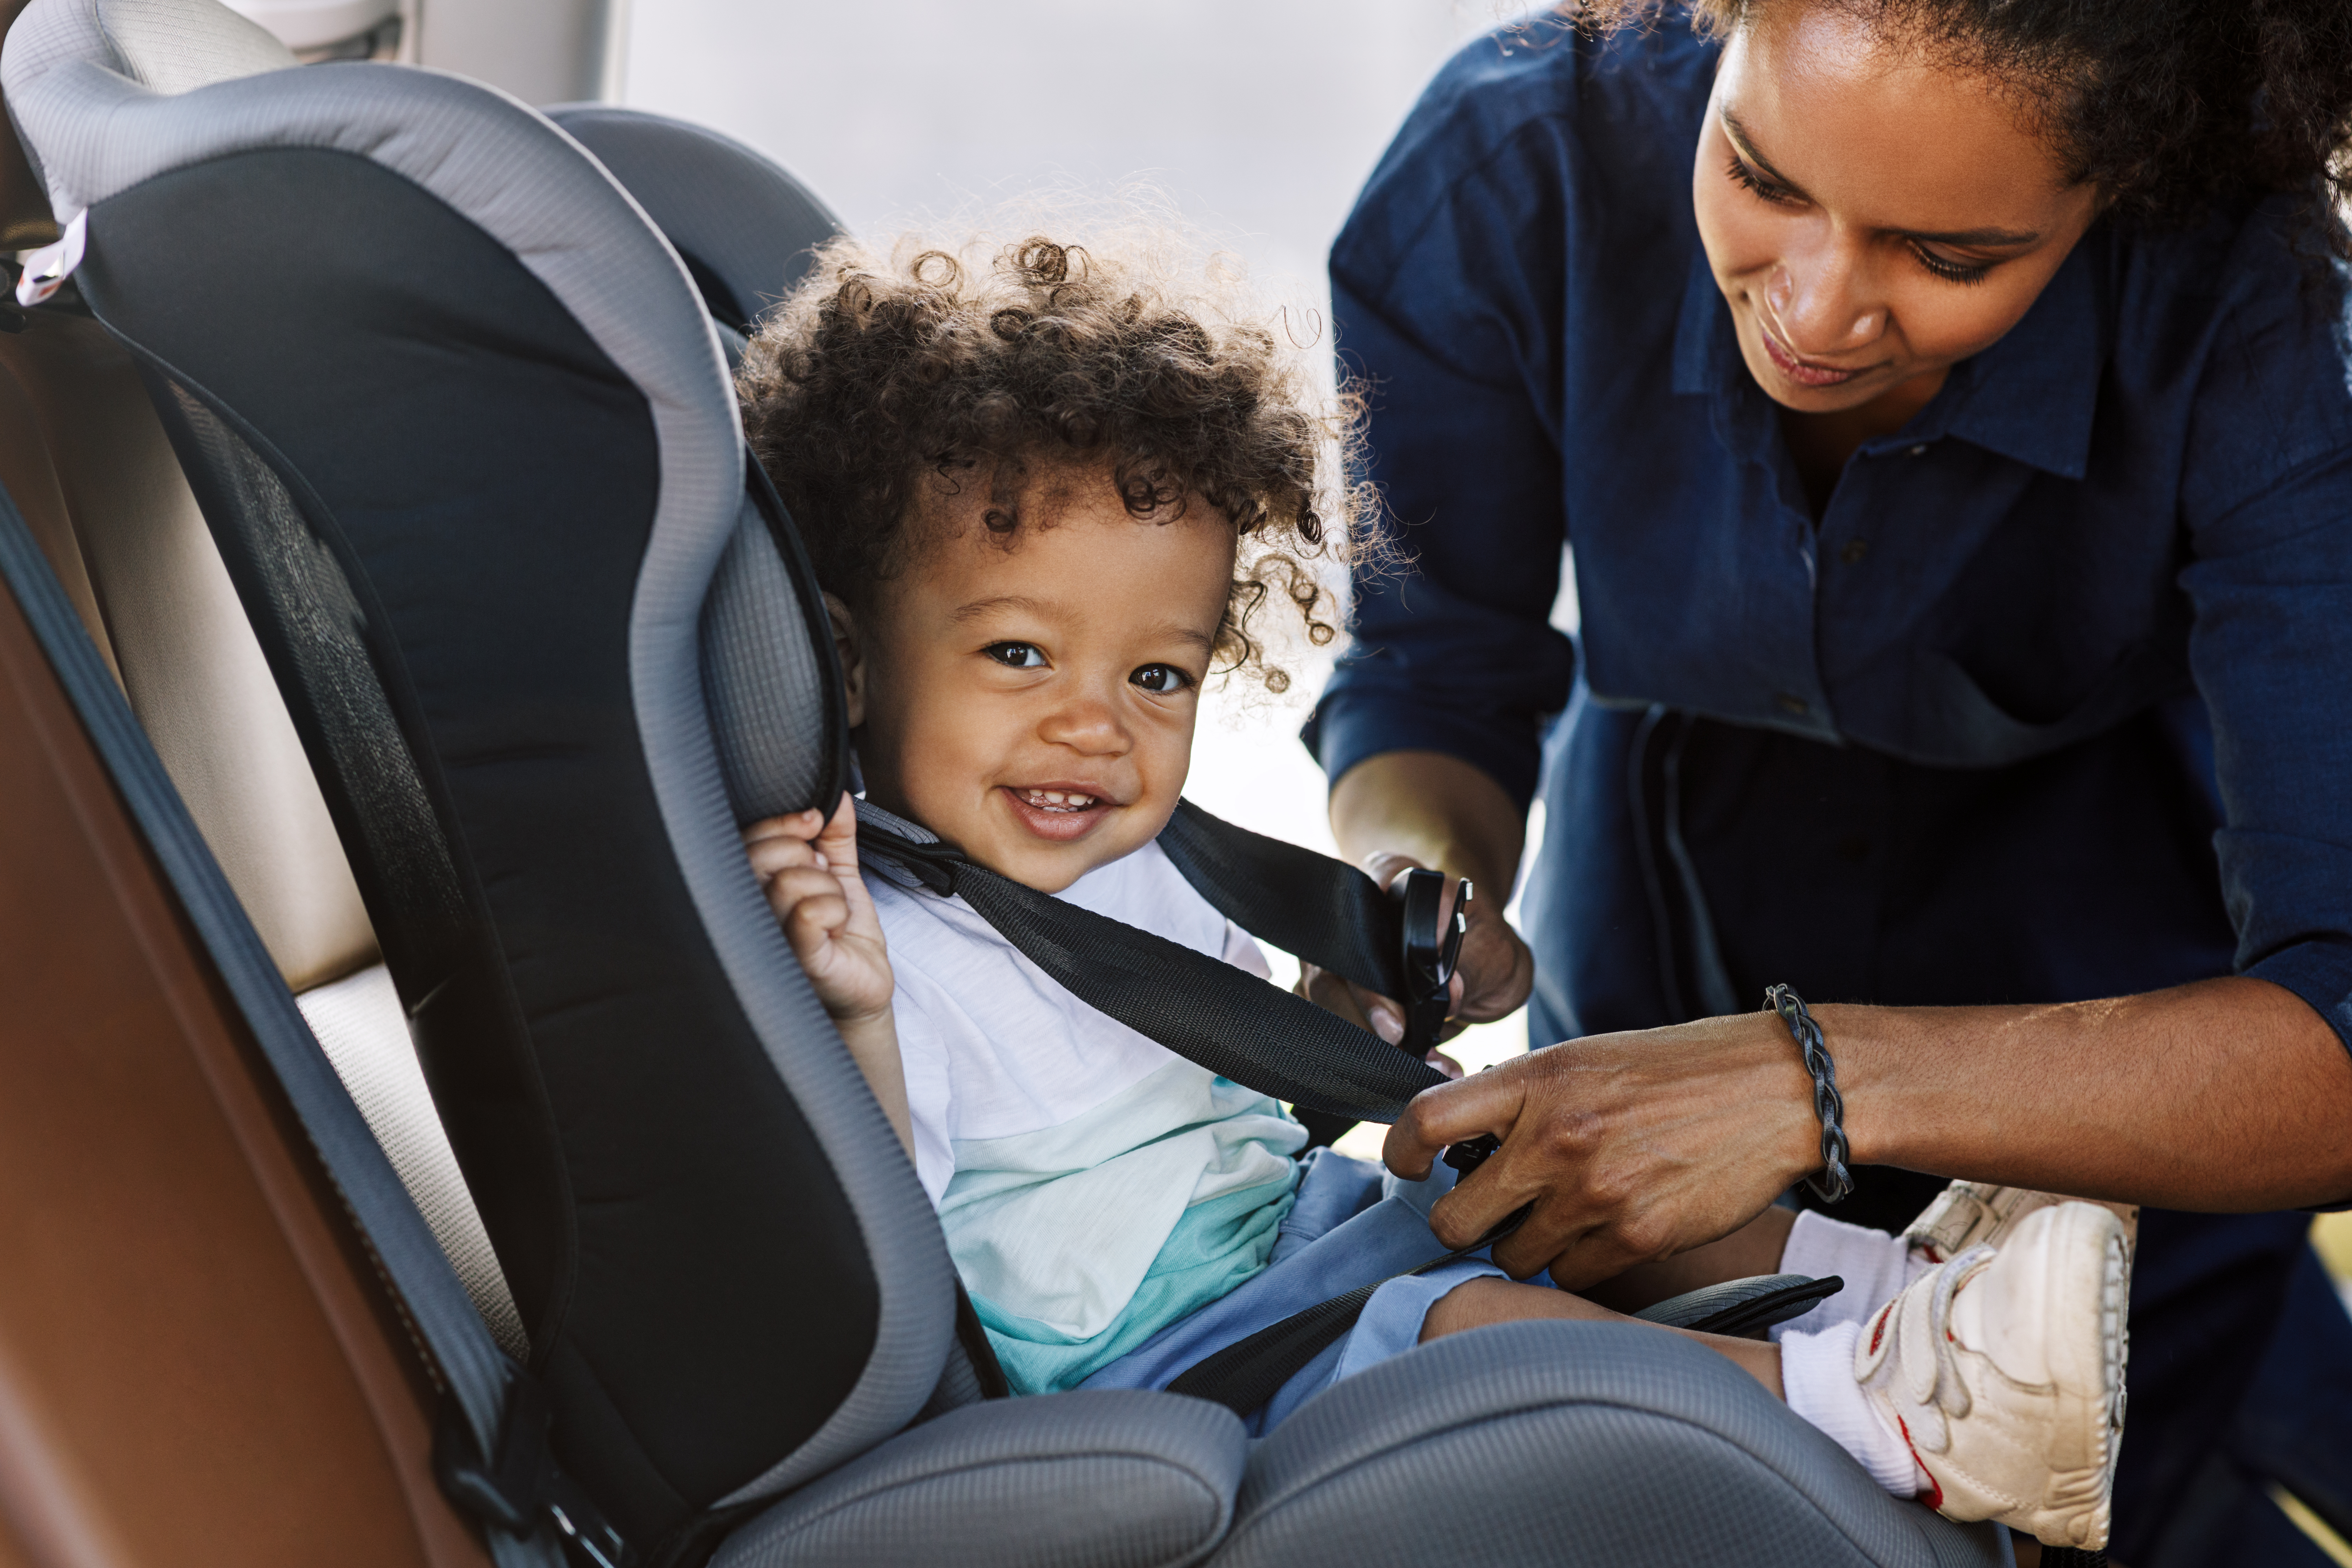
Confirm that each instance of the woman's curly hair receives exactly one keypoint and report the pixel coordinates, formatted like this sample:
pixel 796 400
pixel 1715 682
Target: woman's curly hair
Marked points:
pixel 2169 106
pixel 881 373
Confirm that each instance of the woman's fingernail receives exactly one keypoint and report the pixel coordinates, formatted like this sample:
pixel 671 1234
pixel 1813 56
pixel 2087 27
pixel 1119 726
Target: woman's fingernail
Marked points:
pixel 1387 1025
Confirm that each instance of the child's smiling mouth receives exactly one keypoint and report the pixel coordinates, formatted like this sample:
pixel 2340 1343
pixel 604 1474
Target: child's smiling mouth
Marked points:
pixel 1060 813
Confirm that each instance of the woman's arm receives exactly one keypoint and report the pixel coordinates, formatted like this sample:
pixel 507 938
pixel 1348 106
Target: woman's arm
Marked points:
pixel 2223 1095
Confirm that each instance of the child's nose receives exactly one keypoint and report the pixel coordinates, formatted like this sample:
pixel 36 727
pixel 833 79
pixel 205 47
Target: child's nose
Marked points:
pixel 1086 725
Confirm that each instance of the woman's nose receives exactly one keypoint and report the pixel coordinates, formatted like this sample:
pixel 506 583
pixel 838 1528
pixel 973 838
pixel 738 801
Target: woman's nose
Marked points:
pixel 1819 309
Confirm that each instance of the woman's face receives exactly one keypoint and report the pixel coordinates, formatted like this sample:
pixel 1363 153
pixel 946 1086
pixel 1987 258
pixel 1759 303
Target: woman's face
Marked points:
pixel 1871 217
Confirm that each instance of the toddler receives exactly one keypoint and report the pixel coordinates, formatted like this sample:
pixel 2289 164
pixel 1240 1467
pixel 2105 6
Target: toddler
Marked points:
pixel 1049 492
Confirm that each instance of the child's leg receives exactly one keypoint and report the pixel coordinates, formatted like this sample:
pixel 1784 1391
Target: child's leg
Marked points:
pixel 1754 1248
pixel 1813 1374
pixel 1993 1382
pixel 1481 1303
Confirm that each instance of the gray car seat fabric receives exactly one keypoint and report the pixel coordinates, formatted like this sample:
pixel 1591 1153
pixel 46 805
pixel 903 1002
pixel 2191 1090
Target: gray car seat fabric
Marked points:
pixel 762 677
pixel 1111 1479
pixel 746 229
pixel 1573 1444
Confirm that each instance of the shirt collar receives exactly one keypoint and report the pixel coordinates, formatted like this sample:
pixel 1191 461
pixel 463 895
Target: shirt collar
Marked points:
pixel 2029 397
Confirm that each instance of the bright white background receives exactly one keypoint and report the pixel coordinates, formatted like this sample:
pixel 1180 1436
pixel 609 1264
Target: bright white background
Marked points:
pixel 1258 118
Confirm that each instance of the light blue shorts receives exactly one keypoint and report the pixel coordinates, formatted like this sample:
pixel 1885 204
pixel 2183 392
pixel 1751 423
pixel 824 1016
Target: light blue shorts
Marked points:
pixel 1353 1223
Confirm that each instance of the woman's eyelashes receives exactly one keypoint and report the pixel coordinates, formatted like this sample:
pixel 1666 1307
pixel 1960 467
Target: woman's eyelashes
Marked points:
pixel 1769 190
pixel 1161 680
pixel 1951 271
pixel 1017 655
pixel 1765 189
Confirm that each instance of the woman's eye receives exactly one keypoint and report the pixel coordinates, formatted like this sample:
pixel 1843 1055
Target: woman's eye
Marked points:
pixel 1766 190
pixel 1161 678
pixel 1017 655
pixel 1949 270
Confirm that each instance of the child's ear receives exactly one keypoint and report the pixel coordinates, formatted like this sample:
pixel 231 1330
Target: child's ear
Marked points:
pixel 849 649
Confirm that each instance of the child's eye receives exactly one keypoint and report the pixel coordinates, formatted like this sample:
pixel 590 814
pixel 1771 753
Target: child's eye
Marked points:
pixel 1161 678
pixel 1017 654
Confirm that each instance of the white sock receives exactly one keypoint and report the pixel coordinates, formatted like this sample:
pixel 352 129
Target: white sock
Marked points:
pixel 1816 1370
pixel 1874 1266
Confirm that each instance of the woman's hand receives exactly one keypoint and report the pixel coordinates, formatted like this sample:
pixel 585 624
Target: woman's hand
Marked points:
pixel 1402 809
pixel 1632 1147
pixel 1492 977
pixel 808 867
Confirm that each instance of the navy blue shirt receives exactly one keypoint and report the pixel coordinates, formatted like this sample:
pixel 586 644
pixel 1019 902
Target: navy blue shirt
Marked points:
pixel 2054 701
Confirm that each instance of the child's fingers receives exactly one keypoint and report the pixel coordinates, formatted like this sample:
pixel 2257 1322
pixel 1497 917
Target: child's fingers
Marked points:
pixel 813 922
pixel 838 842
pixel 795 826
pixel 795 885
pixel 771 856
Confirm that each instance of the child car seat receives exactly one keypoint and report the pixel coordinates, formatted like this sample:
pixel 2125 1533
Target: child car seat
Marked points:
pixel 462 428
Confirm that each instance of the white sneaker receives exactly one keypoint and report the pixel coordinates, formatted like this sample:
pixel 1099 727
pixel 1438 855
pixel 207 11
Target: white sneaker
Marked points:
pixel 2004 1372
pixel 1976 1214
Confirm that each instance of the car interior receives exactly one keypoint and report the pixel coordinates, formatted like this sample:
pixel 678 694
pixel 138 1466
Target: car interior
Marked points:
pixel 431 1153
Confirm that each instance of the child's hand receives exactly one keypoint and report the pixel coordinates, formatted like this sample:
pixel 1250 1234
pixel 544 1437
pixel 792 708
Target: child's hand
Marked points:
pixel 808 867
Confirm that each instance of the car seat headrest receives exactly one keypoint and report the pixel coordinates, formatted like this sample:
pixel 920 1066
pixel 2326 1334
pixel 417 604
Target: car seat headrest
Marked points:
pixel 26 221
pixel 746 229
pixel 168 47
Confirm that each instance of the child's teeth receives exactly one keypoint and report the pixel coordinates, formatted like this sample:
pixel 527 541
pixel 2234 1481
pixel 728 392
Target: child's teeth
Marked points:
pixel 1049 798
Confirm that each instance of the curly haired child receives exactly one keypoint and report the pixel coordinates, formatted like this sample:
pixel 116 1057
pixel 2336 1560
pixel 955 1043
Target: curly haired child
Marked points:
pixel 1049 489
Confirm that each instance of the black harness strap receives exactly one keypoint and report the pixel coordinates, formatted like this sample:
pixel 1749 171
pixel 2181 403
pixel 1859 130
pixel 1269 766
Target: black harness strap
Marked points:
pixel 1202 1008
pixel 1322 910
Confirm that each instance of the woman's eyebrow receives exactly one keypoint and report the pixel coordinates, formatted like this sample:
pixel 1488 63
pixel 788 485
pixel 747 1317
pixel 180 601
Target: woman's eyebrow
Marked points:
pixel 1976 237
pixel 1747 148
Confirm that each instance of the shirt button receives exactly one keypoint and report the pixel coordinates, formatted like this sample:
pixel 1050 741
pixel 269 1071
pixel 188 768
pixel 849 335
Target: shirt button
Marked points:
pixel 1790 703
pixel 1855 549
pixel 1920 450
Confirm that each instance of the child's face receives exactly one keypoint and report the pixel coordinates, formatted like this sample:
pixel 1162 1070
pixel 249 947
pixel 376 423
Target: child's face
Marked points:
pixel 1033 703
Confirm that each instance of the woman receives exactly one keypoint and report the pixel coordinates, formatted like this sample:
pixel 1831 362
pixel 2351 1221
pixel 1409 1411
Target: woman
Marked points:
pixel 1947 402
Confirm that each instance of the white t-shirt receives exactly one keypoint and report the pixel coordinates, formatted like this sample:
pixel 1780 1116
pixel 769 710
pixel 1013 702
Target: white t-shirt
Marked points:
pixel 1064 1150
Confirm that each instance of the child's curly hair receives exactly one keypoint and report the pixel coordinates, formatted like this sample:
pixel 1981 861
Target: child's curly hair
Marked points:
pixel 876 371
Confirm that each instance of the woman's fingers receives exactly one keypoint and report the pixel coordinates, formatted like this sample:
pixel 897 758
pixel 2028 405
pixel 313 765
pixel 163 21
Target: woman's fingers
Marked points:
pixel 1624 1148
pixel 1450 1113
pixel 1495 969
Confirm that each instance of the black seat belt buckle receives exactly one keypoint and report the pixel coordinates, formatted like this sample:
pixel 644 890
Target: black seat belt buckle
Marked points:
pixel 522 1488
pixel 1433 945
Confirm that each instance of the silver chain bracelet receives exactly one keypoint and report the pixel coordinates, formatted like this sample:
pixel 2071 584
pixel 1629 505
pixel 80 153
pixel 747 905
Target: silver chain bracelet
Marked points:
pixel 1835 1181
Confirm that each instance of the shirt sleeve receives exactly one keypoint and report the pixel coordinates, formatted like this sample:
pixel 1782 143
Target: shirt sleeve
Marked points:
pixel 2270 499
pixel 1446 300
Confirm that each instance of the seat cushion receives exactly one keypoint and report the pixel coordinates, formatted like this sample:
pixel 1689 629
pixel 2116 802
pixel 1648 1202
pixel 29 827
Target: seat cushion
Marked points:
pixel 1572 1443
pixel 1110 1479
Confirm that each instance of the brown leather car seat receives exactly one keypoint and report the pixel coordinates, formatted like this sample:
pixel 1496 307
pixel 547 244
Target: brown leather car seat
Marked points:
pixel 90 467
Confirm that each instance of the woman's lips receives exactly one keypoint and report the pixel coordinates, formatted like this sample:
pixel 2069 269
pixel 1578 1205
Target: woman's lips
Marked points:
pixel 1801 372
pixel 1061 813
